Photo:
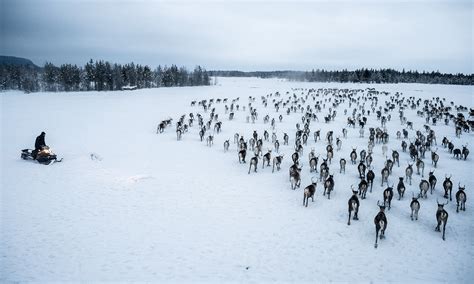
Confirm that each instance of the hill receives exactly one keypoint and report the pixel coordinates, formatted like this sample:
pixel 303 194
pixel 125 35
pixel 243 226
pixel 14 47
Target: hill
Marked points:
pixel 17 61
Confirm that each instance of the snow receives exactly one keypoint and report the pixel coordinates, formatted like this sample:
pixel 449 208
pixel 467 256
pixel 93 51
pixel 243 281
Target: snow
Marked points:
pixel 129 204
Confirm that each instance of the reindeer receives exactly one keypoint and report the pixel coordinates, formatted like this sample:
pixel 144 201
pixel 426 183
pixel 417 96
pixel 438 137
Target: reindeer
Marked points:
pixel 242 143
pixel 329 137
pixel 313 164
pixel 465 152
pixel 413 152
pixel 385 172
pixel 226 145
pixel 277 162
pixel 450 147
pixel 361 168
pixel 432 180
pixel 295 157
pixel 441 217
pixel 353 205
pixel 389 165
pixel 404 146
pixel 285 139
pixel 388 195
pixel 338 143
pixel 254 163
pixel 266 158
pixel 161 127
pixel 409 172
pixel 266 135
pixel 380 222
pixel 317 135
pixel 448 187
pixel 353 156
pixel 400 188
pixel 295 176
pixel 276 145
pixel 444 142
pixel 457 153
pixel 420 165
pixel 415 207
pixel 258 147
pixel 323 170
pixel 362 188
pixel 311 154
pixel 370 178
pixel 344 133
pixel 328 186
pixel 434 158
pixel 396 157
pixel 210 140
pixel 329 153
pixel 342 164
pixel 461 198
pixel 309 192
pixel 363 155
pixel 424 186
pixel 242 154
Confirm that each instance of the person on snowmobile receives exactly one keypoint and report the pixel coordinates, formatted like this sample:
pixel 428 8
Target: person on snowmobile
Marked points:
pixel 39 144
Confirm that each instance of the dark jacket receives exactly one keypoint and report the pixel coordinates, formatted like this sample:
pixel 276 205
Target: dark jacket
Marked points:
pixel 39 143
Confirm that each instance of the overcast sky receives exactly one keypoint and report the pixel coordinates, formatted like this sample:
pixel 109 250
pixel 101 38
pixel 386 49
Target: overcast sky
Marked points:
pixel 244 35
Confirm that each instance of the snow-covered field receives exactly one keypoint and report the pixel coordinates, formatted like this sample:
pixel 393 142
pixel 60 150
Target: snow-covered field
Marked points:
pixel 156 209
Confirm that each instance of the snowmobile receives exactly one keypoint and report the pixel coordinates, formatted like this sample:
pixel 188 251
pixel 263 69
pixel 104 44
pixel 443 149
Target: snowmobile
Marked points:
pixel 44 156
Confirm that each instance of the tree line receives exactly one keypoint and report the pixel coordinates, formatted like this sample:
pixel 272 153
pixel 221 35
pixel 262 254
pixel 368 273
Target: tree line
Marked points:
pixel 359 76
pixel 97 75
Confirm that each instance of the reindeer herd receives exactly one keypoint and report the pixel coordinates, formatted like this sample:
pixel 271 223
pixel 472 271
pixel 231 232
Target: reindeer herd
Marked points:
pixel 369 111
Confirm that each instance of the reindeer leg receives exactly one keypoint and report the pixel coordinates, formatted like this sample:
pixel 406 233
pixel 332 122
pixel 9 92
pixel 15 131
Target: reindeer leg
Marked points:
pixel 444 230
pixel 376 237
pixel 349 219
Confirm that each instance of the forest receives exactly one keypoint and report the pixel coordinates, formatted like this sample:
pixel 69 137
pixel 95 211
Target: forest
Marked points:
pixel 358 76
pixel 96 75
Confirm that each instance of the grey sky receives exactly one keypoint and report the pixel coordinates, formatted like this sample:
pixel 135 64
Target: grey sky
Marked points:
pixel 244 35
